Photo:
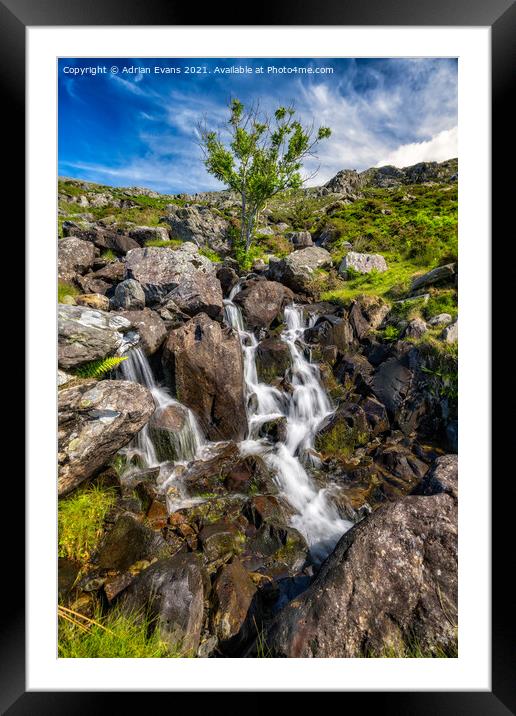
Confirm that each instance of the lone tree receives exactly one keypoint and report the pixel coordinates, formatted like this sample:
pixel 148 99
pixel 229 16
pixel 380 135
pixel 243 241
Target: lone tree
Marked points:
pixel 262 157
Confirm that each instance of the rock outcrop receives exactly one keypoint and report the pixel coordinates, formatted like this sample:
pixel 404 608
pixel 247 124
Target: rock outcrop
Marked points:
pixel 262 302
pixel 204 363
pixel 96 419
pixel 298 269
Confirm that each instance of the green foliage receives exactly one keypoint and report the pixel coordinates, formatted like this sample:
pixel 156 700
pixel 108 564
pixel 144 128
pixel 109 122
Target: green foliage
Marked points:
pixel 64 290
pixel 108 255
pixel 264 157
pixel 210 254
pixel 99 368
pixel 165 243
pixel 441 366
pixel 116 635
pixel 339 441
pixel 391 333
pixel 418 223
pixel 443 301
pixel 80 521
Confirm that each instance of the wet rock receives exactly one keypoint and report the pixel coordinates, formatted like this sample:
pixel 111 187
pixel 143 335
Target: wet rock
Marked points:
pixel 172 592
pixel 95 420
pixel 406 551
pixel 129 296
pixel 93 300
pixel 220 540
pixel 73 256
pixel 113 586
pixel 128 542
pixel 150 327
pixel 167 428
pixel 298 269
pixel 234 612
pixel 197 293
pixel 204 363
pixel 159 270
pixel 85 335
pixel 275 430
pixel 228 471
pixel 342 431
pixel 272 359
pixel 228 278
pixel 400 469
pixel 262 302
pixel 440 274
pixel 362 263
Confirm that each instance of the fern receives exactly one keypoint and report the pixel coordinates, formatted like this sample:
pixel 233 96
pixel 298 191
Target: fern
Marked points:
pixel 99 368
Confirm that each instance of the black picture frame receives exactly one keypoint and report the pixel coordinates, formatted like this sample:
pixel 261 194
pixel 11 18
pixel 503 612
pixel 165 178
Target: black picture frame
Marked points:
pixel 500 16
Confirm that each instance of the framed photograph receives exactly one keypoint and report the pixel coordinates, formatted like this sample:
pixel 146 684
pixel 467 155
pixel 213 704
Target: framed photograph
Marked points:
pixel 248 246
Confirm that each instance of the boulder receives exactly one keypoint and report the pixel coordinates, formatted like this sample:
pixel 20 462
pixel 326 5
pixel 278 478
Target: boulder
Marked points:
pixel 166 429
pixel 451 333
pixel 441 478
pixel 366 315
pixel 441 319
pixel 197 293
pixel 129 296
pixel 298 269
pixel 390 582
pixel 331 330
pixel 220 541
pixel 103 280
pixel 300 239
pixel 73 256
pixel 227 470
pixel 362 263
pixel 170 591
pixel 142 234
pixel 233 612
pixel 272 359
pixel 150 327
pixel 376 415
pixel 200 225
pixel 262 302
pixel 104 238
pixel 355 372
pixel 85 335
pixel 93 300
pixel 95 420
pixel 159 270
pixel 415 328
pixel 203 362
pixel 438 275
pixel 392 383
pixel 127 542
pixel 228 278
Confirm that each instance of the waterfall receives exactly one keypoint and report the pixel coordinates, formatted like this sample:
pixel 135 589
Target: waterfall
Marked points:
pixel 187 441
pixel 304 409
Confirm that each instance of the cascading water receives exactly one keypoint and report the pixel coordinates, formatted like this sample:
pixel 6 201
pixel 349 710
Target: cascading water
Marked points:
pixel 304 409
pixel 187 442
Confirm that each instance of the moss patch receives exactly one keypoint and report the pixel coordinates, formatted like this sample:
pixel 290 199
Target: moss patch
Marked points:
pixel 80 521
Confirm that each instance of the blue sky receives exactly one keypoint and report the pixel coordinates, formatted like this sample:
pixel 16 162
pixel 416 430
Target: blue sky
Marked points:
pixel 137 126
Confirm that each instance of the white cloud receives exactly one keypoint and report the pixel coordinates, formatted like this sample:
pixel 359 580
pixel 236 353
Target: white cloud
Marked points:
pixel 442 146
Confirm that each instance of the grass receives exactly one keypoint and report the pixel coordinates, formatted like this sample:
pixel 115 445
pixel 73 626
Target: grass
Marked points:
pixel 108 255
pixel 210 254
pixel 164 243
pixel 114 636
pixel 80 521
pixel 412 648
pixel 64 290
pixel 339 441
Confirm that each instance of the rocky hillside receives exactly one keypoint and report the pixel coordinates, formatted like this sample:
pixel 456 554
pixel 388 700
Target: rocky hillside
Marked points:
pixel 244 438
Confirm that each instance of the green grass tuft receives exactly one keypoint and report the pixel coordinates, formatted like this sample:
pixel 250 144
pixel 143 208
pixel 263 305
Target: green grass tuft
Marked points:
pixel 114 636
pixel 64 290
pixel 80 521
pixel 164 243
